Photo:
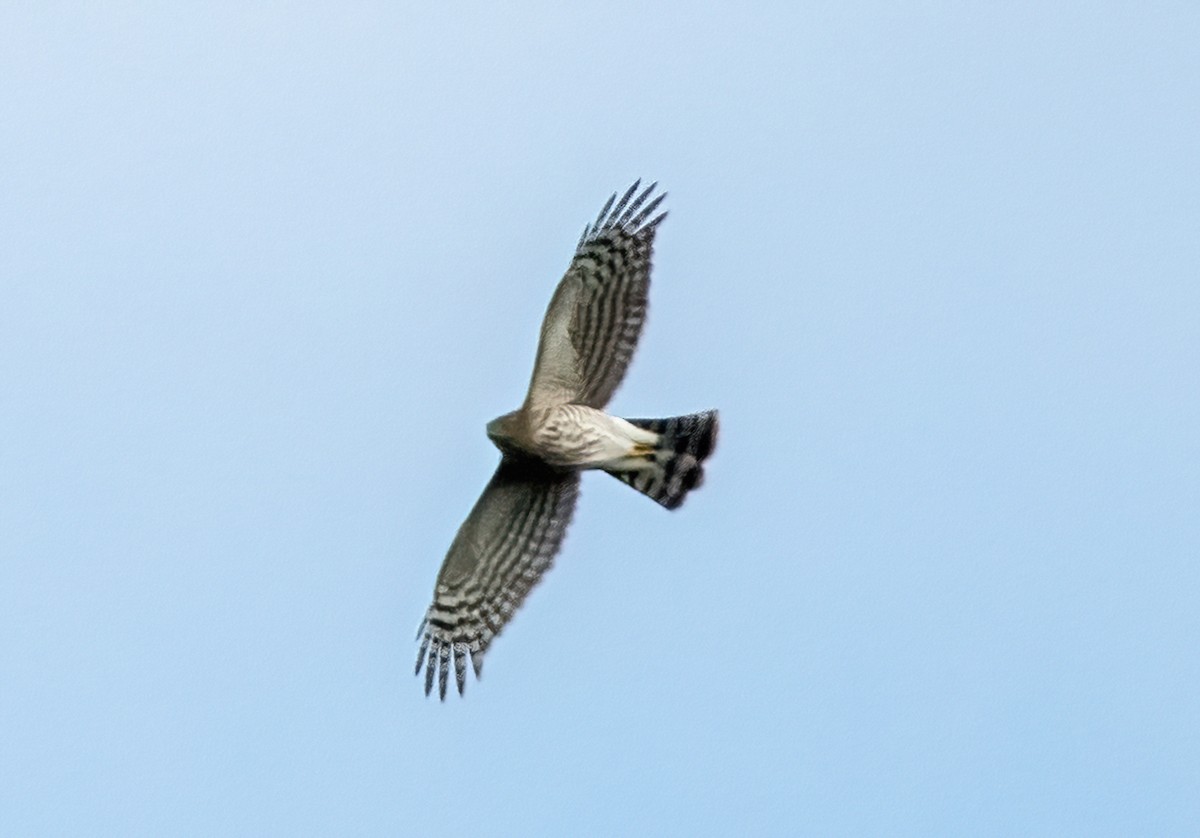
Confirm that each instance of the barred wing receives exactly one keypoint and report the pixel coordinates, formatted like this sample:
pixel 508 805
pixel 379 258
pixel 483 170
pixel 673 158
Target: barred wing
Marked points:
pixel 595 317
pixel 501 551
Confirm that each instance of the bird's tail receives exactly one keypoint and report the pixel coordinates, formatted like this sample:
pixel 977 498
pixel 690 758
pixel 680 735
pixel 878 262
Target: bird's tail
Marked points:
pixel 674 465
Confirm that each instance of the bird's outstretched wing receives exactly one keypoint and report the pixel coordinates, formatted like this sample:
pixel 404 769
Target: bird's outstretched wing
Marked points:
pixel 501 551
pixel 595 317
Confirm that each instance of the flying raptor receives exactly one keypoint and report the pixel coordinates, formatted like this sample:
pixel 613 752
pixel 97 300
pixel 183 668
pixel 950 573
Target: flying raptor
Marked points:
pixel 511 535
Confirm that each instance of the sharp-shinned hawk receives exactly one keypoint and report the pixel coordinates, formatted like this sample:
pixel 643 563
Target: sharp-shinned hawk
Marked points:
pixel 511 535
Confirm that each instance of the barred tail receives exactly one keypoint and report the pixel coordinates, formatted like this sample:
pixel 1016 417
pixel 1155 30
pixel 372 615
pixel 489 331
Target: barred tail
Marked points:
pixel 675 465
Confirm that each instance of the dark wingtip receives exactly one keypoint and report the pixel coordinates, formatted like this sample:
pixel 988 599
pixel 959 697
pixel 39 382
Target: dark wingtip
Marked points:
pixel 619 210
pixel 638 221
pixel 443 671
pixel 421 656
pixel 429 663
pixel 460 666
pixel 628 212
pixel 709 441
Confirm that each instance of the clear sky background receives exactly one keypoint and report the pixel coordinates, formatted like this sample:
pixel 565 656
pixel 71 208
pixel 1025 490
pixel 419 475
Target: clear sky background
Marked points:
pixel 266 272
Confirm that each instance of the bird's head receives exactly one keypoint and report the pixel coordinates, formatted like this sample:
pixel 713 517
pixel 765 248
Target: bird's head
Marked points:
pixel 502 432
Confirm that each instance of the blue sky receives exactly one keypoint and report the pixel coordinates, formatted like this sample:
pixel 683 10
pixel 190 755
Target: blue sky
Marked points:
pixel 266 272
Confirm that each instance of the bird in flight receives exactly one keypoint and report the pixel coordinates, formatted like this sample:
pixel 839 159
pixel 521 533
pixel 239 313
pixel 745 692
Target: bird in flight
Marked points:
pixel 512 534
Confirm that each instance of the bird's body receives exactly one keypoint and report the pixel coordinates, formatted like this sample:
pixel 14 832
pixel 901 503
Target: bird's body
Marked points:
pixel 587 340
pixel 572 436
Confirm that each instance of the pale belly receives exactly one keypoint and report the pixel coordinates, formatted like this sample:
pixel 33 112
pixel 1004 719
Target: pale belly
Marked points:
pixel 583 437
